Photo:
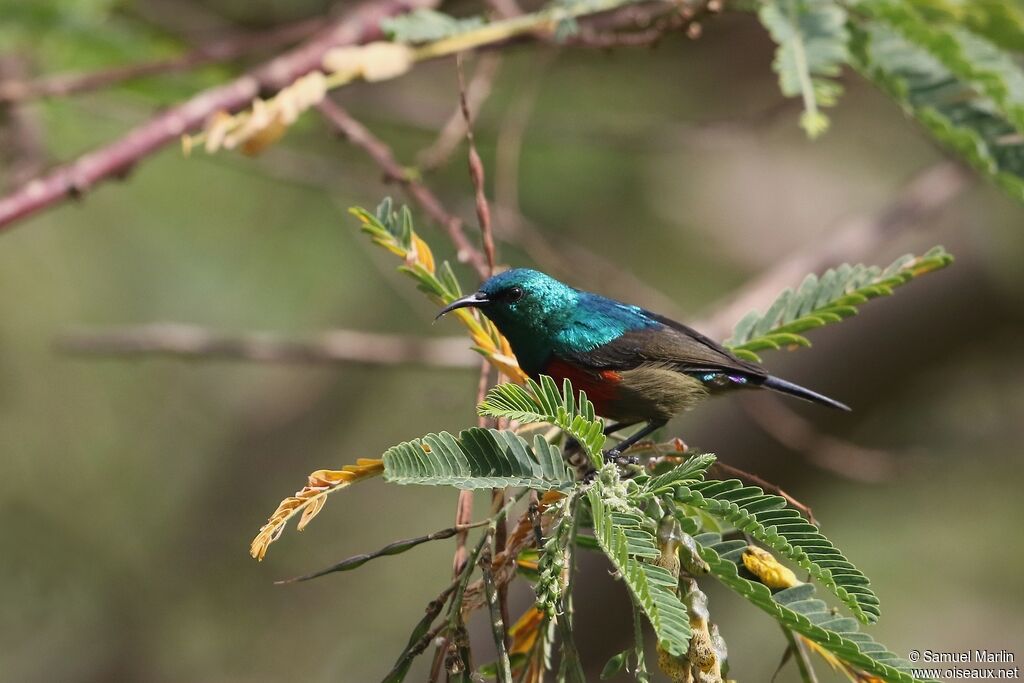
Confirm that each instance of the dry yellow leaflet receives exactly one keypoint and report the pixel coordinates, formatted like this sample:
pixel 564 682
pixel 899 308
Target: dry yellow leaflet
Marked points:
pixel 487 340
pixel 309 500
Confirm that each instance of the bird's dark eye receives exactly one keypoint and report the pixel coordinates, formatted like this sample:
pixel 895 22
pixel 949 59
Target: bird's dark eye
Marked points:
pixel 514 294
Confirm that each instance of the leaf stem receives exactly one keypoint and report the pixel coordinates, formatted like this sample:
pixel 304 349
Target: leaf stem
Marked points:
pixel 570 668
pixel 640 672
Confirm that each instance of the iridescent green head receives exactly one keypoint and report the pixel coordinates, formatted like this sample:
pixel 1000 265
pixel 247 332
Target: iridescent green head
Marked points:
pixel 527 306
pixel 521 298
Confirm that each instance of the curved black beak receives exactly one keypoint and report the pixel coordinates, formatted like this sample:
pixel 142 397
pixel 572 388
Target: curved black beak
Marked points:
pixel 474 300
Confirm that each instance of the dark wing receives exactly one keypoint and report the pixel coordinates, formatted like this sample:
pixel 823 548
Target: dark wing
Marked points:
pixel 670 343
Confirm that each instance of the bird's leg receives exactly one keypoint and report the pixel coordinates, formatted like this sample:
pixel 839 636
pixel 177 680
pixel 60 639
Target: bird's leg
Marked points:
pixel 573 444
pixel 615 454
pixel 619 426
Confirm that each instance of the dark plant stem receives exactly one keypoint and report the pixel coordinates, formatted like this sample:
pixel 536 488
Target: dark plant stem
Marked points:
pixel 571 666
pixel 640 672
pixel 421 636
pixel 504 674
pixel 396 548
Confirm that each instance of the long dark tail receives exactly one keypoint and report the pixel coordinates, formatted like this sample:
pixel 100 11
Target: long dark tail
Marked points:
pixel 784 387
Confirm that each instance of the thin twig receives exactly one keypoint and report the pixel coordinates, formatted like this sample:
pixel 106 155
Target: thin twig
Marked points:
pixel 337 346
pixel 422 635
pixel 797 650
pixel 117 158
pixel 395 548
pixel 640 670
pixel 360 136
pixel 571 662
pixel 720 468
pixel 454 129
pixel 483 213
pixel 223 50
pixel 504 673
pixel 476 173
pixel 456 609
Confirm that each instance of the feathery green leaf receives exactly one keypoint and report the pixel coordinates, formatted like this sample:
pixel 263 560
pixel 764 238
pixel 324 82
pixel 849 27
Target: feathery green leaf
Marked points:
pixel 828 299
pixel 768 519
pixel 812 47
pixel 798 610
pixel 692 470
pixel 542 402
pixel 970 58
pixel 477 458
pixel 425 25
pixel 629 544
pixel 950 108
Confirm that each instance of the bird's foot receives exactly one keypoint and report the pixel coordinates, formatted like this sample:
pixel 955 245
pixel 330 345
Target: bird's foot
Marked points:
pixel 615 455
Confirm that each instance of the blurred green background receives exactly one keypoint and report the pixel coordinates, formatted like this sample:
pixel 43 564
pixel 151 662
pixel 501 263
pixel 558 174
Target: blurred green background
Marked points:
pixel 130 489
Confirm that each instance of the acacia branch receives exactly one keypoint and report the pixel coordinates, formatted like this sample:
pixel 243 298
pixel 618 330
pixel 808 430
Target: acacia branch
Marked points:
pixel 361 25
pixel 360 136
pixel 116 159
pixel 476 173
pixel 337 346
pixel 454 129
pixel 223 50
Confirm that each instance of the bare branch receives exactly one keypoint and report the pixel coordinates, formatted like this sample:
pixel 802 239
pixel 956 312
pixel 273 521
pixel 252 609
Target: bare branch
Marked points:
pixel 223 50
pixel 454 130
pixel 116 159
pixel 855 240
pixel 361 25
pixel 653 25
pixel 476 173
pixel 360 136
pixel 337 346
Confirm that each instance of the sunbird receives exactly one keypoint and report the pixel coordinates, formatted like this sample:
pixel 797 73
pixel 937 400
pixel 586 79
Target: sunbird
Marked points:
pixel 634 365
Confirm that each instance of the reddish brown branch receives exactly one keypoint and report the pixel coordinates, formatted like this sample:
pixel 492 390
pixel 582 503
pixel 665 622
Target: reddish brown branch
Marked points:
pixel 720 468
pixel 476 172
pixel 360 136
pixel 223 50
pixel 116 159
pixel 454 129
